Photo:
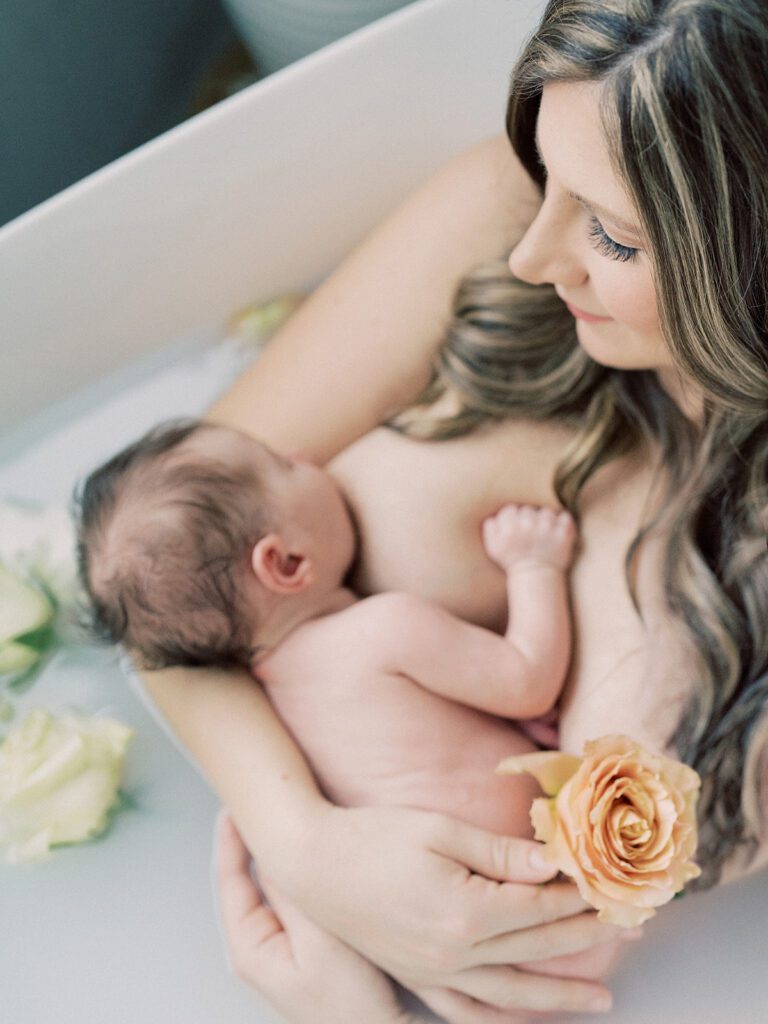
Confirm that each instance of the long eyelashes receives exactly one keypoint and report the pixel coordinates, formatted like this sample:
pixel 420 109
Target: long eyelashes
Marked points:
pixel 606 245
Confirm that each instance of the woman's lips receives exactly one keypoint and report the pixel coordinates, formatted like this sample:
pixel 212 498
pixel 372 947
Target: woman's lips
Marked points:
pixel 580 314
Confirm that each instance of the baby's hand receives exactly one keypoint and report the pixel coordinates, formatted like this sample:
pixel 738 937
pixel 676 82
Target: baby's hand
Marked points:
pixel 520 534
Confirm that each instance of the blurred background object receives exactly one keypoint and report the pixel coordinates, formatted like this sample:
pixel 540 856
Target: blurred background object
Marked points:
pixel 83 83
pixel 278 32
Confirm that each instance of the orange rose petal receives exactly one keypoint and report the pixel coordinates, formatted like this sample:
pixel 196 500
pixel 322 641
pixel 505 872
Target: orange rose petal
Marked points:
pixel 544 819
pixel 551 768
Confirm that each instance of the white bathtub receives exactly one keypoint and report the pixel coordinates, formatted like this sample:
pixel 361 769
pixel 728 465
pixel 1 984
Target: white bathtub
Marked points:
pixel 108 294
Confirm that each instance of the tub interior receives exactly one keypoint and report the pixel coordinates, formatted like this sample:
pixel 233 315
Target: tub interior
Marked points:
pixel 129 920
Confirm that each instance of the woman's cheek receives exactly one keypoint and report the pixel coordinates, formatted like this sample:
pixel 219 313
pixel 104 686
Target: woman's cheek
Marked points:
pixel 630 298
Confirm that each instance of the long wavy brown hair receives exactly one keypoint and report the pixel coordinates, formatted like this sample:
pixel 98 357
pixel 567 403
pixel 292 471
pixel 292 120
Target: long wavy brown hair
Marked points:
pixel 684 101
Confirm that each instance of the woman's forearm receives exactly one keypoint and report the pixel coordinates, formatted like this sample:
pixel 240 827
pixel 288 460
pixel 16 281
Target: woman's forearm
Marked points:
pixel 234 735
pixel 362 345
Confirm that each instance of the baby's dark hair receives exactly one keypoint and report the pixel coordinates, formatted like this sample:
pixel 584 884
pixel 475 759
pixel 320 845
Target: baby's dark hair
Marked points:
pixel 164 534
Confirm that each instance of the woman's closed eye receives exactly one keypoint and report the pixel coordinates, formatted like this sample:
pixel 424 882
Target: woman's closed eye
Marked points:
pixel 607 246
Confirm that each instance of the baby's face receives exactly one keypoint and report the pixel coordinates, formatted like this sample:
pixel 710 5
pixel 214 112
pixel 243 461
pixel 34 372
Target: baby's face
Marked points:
pixel 306 500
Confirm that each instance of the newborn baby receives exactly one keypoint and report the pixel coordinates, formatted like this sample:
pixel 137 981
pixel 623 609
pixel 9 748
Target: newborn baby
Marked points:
pixel 200 546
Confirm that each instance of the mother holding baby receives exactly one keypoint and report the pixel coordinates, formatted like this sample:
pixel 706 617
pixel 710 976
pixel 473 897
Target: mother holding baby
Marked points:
pixel 618 367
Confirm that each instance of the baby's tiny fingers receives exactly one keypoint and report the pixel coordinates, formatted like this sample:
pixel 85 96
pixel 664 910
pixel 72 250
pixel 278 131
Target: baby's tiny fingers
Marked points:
pixel 510 509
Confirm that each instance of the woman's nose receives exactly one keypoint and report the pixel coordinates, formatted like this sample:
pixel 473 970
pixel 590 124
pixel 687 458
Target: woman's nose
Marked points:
pixel 548 252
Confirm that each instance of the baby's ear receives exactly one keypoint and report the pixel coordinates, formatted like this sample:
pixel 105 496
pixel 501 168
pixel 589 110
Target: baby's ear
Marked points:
pixel 278 569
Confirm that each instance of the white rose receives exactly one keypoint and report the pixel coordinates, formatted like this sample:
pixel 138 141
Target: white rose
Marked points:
pixel 38 542
pixel 59 777
pixel 24 610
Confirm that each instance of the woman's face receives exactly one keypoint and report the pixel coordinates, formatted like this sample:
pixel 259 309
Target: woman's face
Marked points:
pixel 586 240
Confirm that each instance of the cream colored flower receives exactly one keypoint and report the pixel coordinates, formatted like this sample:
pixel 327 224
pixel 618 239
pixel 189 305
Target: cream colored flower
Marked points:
pixel 37 542
pixel 24 610
pixel 621 821
pixel 59 777
pixel 39 589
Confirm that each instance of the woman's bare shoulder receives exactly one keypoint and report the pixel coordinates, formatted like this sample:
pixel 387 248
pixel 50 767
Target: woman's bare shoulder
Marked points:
pixel 495 188
pixel 363 343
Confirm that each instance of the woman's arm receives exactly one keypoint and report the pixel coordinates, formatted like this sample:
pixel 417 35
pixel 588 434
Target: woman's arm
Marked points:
pixel 225 720
pixel 363 343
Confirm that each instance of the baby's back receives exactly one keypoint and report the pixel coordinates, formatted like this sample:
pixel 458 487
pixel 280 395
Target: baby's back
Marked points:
pixel 375 736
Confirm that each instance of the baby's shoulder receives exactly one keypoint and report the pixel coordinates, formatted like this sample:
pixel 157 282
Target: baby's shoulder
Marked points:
pixel 360 639
pixel 369 615
pixel 392 610
pixel 375 624
pixel 367 634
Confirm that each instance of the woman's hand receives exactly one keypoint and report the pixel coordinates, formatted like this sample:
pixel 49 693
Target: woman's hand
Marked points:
pixel 305 973
pixel 444 908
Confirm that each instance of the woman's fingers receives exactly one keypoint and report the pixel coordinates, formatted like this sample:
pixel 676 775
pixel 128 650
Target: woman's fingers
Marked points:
pixel 509 989
pixel 507 906
pixel 244 915
pixel 503 858
pixel 456 1008
pixel 556 939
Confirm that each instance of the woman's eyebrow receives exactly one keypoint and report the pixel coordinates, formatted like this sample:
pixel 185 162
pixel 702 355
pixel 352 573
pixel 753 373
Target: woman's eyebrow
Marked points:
pixel 606 214
pixel 630 229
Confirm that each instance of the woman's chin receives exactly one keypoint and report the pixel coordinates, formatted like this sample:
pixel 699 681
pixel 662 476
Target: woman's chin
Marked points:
pixel 602 342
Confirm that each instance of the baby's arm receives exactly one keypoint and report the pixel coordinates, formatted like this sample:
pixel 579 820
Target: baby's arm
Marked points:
pixel 519 675
pixel 534 546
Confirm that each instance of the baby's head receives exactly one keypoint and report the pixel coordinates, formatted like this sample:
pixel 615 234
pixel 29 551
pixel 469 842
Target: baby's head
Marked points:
pixel 193 540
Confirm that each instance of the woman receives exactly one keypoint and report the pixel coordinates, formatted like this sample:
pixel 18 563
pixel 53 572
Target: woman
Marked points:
pixel 628 364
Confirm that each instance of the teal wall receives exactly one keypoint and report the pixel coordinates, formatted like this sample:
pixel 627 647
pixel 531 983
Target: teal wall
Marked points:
pixel 84 81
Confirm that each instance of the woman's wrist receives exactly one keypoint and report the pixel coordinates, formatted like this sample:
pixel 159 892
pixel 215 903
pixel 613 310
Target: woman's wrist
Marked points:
pixel 284 832
pixel 232 731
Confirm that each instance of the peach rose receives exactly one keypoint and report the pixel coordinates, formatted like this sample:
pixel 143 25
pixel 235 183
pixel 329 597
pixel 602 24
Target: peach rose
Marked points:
pixel 620 821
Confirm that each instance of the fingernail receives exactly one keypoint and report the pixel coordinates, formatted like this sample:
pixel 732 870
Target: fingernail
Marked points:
pixel 537 862
pixel 632 934
pixel 601 1003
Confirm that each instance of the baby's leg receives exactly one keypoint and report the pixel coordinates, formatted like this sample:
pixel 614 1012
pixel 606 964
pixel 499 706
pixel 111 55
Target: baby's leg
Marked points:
pixel 420 750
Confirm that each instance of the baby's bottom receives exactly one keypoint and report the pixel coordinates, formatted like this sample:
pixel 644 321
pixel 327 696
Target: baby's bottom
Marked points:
pixel 391 742
pixel 385 740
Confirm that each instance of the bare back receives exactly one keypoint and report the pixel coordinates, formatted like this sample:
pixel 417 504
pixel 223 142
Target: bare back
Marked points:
pixel 374 735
